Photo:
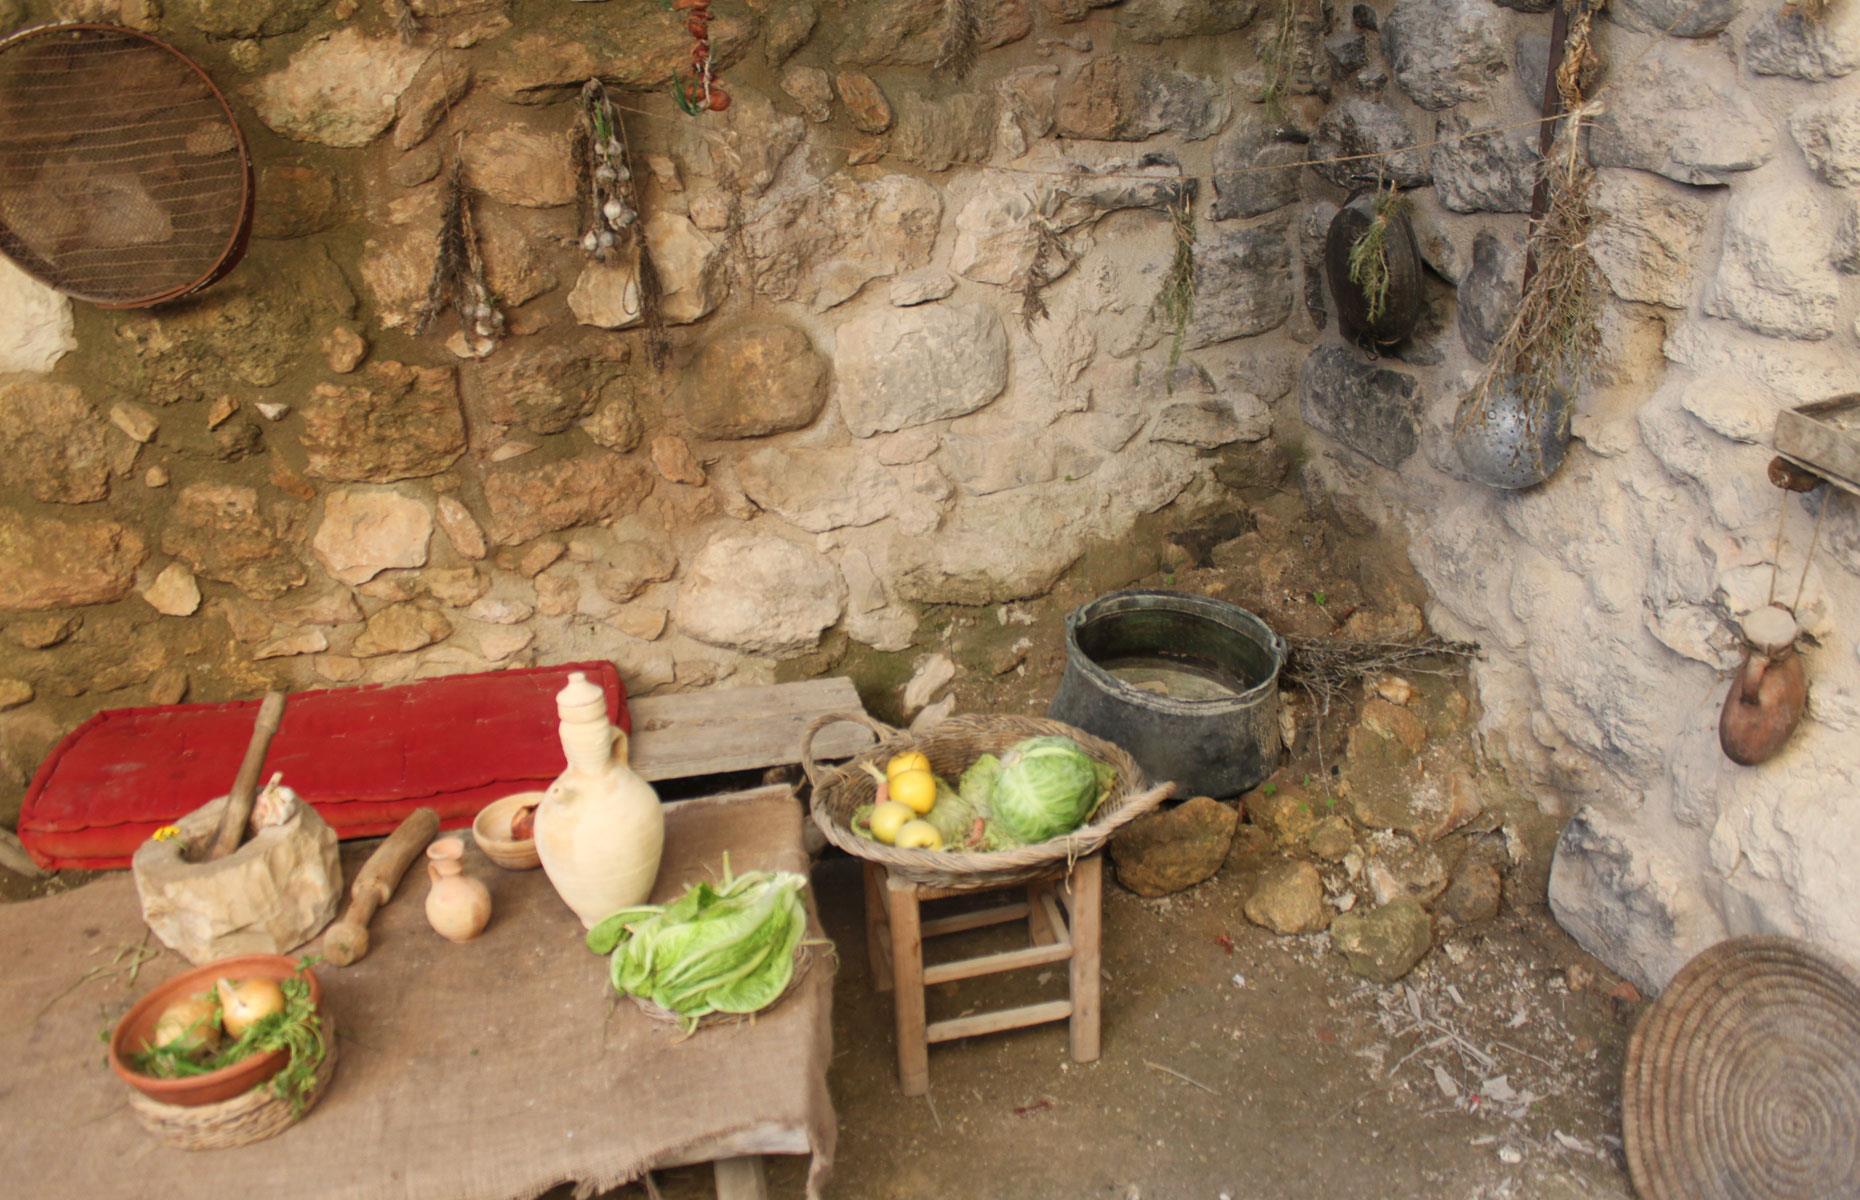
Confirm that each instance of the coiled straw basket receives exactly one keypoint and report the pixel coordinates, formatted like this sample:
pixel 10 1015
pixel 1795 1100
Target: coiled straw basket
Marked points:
pixel 951 746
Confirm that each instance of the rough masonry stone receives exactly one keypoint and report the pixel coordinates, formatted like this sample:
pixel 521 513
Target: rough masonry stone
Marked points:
pixel 1372 410
pixel 898 367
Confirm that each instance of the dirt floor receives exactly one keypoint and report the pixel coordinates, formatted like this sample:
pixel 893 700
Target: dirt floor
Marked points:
pixel 1255 1073
pixel 1237 1064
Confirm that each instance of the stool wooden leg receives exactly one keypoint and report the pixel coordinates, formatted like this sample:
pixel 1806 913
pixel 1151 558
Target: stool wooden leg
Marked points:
pixel 875 927
pixel 741 1178
pixel 1087 886
pixel 907 979
pixel 1040 931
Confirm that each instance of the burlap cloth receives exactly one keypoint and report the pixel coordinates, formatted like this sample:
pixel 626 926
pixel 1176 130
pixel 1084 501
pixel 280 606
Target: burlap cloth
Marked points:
pixel 490 1070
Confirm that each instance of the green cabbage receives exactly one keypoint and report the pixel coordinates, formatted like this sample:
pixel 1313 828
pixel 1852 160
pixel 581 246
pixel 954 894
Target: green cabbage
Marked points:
pixel 727 949
pixel 1047 786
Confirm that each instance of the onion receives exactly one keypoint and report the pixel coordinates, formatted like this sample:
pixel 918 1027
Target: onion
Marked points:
pixel 246 1003
pixel 188 1026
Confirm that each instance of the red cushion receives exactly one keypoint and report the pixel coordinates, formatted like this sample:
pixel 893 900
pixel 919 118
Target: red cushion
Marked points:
pixel 364 757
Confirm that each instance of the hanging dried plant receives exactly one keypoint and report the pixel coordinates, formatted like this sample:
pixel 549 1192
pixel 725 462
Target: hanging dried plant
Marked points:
pixel 405 23
pixel 611 228
pixel 1369 254
pixel 1550 344
pixel 1049 260
pixel 1175 301
pixel 1277 53
pixel 961 39
pixel 458 272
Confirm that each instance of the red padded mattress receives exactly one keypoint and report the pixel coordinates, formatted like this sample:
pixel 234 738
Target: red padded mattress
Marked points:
pixel 364 757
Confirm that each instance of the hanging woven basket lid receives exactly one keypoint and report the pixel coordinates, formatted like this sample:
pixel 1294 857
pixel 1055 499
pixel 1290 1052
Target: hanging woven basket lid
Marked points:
pixel 124 177
pixel 1743 1079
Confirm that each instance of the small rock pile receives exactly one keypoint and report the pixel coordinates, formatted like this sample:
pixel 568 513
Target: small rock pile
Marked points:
pixel 1400 850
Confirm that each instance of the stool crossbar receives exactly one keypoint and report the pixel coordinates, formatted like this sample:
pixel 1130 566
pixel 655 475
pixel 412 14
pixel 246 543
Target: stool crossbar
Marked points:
pixel 1063 914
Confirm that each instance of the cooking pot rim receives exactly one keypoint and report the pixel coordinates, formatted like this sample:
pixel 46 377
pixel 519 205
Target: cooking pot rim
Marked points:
pixel 1237 620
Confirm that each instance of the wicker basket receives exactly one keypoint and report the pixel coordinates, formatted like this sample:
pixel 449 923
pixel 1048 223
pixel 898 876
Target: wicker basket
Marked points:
pixel 1742 1081
pixel 250 1117
pixel 951 746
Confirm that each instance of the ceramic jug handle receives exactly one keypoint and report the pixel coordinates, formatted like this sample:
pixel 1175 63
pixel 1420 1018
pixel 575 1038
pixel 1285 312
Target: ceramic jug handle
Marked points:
pixel 622 750
pixel 1754 669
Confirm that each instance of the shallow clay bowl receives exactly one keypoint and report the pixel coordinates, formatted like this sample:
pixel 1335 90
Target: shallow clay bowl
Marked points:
pixel 137 1029
pixel 491 830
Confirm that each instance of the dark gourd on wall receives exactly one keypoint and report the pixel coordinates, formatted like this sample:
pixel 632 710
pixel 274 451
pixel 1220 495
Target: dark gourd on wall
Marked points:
pixel 1365 316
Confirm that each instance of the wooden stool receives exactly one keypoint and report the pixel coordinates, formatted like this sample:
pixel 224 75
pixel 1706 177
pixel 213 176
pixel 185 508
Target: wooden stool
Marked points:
pixel 894 939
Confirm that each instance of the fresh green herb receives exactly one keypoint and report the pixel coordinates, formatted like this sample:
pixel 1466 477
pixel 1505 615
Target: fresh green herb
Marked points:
pixel 296 1028
pixel 1271 789
pixel 1319 599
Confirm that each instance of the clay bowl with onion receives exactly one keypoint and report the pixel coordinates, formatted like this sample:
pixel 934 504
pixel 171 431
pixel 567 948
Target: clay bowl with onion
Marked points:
pixel 137 1030
pixel 492 830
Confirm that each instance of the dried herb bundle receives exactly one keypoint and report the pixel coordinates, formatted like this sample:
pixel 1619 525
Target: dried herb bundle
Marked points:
pixel 961 38
pixel 458 272
pixel 1050 259
pixel 1175 301
pixel 405 23
pixel 1551 341
pixel 1369 254
pixel 610 210
pixel 1277 54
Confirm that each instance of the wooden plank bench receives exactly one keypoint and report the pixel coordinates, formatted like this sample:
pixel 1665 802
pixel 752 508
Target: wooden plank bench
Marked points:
pixel 688 734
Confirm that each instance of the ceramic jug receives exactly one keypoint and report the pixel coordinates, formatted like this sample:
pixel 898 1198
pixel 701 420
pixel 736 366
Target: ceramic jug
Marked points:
pixel 599 828
pixel 1769 692
pixel 458 907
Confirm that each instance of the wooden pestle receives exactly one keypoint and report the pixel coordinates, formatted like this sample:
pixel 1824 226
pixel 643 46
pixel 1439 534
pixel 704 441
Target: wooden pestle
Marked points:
pixel 245 784
pixel 346 941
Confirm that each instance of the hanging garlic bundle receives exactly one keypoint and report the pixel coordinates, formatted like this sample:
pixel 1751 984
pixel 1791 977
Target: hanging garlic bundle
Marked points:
pixel 458 273
pixel 608 208
pixel 611 227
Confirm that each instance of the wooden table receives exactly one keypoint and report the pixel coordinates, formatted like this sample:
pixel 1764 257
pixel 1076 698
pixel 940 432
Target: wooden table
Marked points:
pixel 500 1067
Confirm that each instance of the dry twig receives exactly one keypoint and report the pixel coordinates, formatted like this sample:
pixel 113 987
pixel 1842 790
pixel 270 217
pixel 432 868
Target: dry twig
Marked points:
pixel 1156 1066
pixel 1325 668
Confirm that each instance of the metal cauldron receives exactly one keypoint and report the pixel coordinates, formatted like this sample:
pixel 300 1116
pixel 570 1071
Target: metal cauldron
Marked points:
pixel 1187 684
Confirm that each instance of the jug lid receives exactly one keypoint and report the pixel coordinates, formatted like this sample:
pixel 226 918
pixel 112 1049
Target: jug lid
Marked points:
pixel 581 700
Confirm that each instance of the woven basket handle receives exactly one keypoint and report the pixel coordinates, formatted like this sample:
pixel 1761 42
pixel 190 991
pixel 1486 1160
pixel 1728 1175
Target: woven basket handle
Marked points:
pixel 808 765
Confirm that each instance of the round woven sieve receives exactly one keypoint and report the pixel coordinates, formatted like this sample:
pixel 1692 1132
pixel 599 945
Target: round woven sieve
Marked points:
pixel 124 179
pixel 1743 1079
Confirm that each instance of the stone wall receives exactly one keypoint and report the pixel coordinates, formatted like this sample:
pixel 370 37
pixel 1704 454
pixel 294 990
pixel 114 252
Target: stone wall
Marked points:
pixel 278 482
pixel 916 361
pixel 1608 599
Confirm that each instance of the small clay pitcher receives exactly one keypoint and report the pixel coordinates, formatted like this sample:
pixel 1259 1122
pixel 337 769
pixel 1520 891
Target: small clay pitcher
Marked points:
pixel 1768 693
pixel 458 907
